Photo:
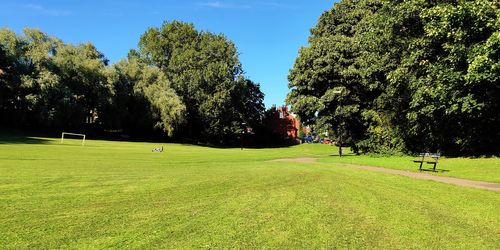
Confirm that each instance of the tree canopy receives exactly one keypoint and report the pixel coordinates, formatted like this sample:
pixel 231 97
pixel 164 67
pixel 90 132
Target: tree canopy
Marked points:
pixel 206 73
pixel 184 82
pixel 416 75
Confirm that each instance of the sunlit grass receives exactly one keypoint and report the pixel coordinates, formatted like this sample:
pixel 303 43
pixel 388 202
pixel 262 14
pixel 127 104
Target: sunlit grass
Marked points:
pixel 121 195
pixel 482 169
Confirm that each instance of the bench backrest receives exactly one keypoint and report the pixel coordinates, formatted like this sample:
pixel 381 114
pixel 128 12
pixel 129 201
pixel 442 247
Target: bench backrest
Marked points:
pixel 434 156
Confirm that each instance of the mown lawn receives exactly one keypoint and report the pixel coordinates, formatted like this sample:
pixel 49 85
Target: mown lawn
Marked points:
pixel 482 169
pixel 120 195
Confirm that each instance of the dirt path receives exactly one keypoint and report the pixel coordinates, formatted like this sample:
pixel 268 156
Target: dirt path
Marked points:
pixel 416 175
pixel 424 176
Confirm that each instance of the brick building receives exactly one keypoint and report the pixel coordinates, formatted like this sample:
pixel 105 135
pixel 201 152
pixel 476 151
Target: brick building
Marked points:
pixel 283 123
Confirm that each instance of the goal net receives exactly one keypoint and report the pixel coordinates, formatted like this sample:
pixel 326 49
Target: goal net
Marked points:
pixel 72 134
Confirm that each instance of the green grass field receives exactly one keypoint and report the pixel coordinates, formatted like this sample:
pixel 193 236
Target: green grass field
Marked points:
pixel 481 169
pixel 120 195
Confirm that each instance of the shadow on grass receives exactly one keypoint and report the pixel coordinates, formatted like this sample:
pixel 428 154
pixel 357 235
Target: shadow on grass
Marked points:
pixel 216 146
pixel 8 139
pixel 343 155
pixel 15 137
pixel 436 171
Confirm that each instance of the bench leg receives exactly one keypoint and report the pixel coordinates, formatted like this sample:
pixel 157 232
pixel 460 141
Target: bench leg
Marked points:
pixel 421 165
pixel 434 167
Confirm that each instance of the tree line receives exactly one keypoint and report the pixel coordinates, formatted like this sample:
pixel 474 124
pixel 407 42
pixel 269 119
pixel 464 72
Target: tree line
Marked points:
pixel 403 76
pixel 181 81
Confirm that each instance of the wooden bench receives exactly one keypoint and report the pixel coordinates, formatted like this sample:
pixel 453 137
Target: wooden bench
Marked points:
pixel 428 158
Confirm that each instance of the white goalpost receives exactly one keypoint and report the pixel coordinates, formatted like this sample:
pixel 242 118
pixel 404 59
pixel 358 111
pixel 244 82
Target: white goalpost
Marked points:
pixel 73 134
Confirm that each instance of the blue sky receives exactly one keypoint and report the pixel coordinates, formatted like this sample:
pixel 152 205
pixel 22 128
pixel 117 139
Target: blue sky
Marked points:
pixel 268 34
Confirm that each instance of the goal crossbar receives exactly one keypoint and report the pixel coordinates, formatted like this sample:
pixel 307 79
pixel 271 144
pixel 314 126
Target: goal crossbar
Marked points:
pixel 66 133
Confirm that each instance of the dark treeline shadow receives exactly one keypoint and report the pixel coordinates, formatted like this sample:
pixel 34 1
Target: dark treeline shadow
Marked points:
pixel 12 136
pixel 35 136
pixel 343 155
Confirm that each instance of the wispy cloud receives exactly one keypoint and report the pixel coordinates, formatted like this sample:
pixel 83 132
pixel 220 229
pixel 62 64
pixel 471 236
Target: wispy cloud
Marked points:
pixel 224 5
pixel 254 5
pixel 275 5
pixel 45 11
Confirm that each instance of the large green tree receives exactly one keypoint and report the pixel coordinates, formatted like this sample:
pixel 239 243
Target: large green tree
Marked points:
pixel 328 88
pixel 181 81
pixel 446 75
pixel 142 98
pixel 204 70
pixel 50 83
pixel 12 69
pixel 417 75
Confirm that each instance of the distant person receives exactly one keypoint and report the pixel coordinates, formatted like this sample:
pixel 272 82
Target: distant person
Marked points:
pixel 157 150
